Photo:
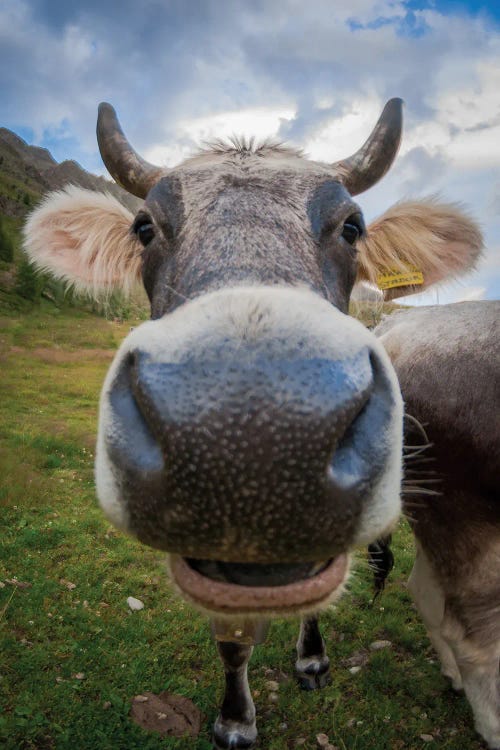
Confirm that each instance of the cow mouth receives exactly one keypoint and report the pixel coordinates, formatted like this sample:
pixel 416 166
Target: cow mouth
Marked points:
pixel 249 588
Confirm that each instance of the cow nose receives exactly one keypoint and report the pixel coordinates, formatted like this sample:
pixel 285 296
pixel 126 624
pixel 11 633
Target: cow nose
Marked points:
pixel 290 412
pixel 233 449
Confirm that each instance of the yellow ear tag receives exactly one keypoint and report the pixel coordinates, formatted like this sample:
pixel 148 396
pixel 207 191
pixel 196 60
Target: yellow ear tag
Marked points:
pixel 392 279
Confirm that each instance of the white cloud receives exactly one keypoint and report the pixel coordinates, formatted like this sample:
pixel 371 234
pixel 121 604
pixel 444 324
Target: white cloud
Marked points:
pixel 341 136
pixel 445 295
pixel 257 122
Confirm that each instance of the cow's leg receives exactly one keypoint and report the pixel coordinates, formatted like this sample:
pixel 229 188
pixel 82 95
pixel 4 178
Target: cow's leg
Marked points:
pixel 479 668
pixel 429 598
pixel 313 665
pixel 235 725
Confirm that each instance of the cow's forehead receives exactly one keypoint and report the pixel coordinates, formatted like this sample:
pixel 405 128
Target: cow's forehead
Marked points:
pixel 283 171
pixel 265 160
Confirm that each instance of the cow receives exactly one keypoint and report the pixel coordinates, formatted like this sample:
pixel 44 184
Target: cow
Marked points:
pixel 251 428
pixel 447 359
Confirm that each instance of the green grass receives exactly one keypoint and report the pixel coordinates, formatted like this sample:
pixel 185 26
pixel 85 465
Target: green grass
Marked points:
pixel 16 188
pixel 52 367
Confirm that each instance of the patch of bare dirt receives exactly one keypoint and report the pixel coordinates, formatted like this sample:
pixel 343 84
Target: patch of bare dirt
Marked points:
pixel 61 356
pixel 168 714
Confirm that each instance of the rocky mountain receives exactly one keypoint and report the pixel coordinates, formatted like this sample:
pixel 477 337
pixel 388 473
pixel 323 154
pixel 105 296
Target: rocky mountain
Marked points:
pixel 28 172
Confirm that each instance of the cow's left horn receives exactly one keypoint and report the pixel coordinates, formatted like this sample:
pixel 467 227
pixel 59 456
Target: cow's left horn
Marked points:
pixel 368 165
pixel 124 164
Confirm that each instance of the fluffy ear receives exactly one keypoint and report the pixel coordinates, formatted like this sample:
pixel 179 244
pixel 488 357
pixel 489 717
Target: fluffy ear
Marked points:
pixel 84 238
pixel 416 244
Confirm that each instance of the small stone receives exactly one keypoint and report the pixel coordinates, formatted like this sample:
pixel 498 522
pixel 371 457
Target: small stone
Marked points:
pixel 135 604
pixel 141 698
pixel 70 586
pixel 426 737
pixel 18 584
pixel 273 697
pixel 272 685
pixel 2 585
pixel 322 739
pixel 357 659
pixel 161 715
pixel 354 670
pixel 79 676
pixel 379 645
pixel 106 705
pixel 284 726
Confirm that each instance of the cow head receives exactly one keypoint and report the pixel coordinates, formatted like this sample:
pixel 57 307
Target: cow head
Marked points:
pixel 251 429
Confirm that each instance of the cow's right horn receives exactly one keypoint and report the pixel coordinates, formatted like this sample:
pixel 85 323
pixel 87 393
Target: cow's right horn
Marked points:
pixel 370 163
pixel 124 164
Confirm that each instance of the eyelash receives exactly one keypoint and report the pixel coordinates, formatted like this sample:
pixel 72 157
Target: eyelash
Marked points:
pixel 351 232
pixel 144 230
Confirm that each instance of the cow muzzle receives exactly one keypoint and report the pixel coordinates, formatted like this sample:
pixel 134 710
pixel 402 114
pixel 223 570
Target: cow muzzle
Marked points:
pixel 236 589
pixel 253 433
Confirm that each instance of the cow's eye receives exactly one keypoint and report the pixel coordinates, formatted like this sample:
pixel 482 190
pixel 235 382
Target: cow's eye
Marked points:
pixel 352 230
pixel 144 230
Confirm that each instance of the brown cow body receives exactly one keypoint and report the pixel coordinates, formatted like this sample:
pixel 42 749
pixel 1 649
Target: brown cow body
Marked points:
pixel 448 364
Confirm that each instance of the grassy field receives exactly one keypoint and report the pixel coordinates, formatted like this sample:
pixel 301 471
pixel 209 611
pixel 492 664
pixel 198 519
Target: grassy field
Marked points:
pixel 72 655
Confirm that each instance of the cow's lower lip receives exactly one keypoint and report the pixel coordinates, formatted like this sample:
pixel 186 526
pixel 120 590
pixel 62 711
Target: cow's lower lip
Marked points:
pixel 221 597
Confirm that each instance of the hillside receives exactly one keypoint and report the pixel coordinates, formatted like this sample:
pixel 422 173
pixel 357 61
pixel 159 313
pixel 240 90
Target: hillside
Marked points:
pixel 28 172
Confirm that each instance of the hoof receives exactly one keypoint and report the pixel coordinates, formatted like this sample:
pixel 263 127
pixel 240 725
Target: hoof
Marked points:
pixel 233 736
pixel 313 673
pixel 235 741
pixel 314 681
pixel 455 683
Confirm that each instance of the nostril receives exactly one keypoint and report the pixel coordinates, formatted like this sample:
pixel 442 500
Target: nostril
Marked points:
pixel 145 391
pixel 361 453
pixel 129 439
pixel 131 359
pixel 377 369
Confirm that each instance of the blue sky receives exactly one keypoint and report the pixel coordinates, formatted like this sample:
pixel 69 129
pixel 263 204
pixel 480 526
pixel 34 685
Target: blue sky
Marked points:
pixel 316 74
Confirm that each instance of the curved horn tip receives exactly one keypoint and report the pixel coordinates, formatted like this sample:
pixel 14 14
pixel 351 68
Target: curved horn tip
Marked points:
pixel 105 107
pixel 395 101
pixel 106 110
pixel 393 107
pixel 124 164
pixel 370 163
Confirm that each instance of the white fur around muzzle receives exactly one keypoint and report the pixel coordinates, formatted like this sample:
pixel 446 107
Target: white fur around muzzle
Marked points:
pixel 249 314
